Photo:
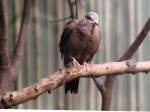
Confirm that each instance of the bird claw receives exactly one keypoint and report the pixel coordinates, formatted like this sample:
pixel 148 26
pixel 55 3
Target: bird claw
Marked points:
pixel 85 64
pixel 74 62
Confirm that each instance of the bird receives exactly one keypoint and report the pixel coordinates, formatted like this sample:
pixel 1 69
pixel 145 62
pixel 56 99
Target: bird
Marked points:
pixel 80 40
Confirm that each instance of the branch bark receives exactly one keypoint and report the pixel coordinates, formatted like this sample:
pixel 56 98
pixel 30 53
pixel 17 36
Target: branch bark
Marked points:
pixel 62 76
pixel 4 57
pixel 107 86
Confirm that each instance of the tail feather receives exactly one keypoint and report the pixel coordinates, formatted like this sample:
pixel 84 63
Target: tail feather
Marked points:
pixel 72 86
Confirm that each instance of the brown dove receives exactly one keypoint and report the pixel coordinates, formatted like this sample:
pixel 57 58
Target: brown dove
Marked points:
pixel 80 40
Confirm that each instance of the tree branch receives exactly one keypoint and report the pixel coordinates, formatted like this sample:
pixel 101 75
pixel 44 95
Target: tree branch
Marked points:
pixel 106 87
pixel 132 49
pixel 73 9
pixel 62 76
pixel 4 57
pixel 21 43
pixel 76 6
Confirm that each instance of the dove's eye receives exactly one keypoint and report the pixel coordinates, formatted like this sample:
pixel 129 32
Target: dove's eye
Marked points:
pixel 88 17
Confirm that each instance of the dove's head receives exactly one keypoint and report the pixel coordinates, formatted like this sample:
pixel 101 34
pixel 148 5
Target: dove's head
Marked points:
pixel 92 17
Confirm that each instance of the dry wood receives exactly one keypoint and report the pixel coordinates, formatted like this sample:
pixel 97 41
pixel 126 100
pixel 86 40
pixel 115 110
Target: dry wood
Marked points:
pixel 58 78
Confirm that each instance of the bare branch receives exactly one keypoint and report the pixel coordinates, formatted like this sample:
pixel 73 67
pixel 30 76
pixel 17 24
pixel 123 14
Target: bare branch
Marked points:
pixel 106 88
pixel 60 20
pixel 59 78
pixel 73 9
pixel 20 46
pixel 4 57
pixel 73 12
pixel 132 49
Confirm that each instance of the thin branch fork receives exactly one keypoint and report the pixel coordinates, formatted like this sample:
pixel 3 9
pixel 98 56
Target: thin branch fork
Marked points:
pixel 10 99
pixel 8 74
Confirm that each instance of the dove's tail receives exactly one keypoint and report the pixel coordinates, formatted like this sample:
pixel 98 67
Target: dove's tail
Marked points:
pixel 72 86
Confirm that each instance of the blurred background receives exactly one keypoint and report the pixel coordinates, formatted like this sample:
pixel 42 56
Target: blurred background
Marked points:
pixel 120 22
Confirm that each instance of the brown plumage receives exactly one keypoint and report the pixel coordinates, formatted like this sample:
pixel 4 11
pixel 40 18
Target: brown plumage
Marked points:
pixel 80 39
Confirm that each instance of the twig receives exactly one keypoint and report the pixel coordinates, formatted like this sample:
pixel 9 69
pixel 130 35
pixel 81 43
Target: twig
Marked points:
pixel 106 88
pixel 73 14
pixel 60 20
pixel 59 78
